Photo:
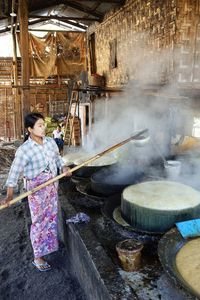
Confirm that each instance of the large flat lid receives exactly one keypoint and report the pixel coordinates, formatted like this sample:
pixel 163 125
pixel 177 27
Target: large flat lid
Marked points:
pixel 162 195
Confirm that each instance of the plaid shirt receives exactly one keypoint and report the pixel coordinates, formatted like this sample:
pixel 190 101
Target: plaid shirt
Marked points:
pixel 32 158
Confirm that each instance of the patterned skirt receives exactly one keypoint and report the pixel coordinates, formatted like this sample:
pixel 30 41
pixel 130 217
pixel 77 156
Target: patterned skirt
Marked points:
pixel 43 206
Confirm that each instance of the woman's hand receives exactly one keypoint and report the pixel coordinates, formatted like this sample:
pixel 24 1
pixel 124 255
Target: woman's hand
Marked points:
pixel 6 201
pixel 9 196
pixel 67 172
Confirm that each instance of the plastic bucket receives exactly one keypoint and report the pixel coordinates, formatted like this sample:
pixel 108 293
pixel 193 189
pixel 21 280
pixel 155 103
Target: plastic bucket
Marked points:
pixel 172 169
pixel 129 253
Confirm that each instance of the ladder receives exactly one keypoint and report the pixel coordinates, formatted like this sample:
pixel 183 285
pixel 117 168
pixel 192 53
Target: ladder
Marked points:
pixel 74 99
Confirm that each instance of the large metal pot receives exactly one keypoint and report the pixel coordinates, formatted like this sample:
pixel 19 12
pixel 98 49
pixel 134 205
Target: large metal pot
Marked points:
pixel 97 165
pixel 114 179
pixel 87 171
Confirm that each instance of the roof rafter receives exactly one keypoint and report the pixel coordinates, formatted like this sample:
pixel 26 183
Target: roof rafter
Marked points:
pixel 75 25
pixel 83 9
pixel 60 18
pixel 8 28
pixel 68 22
pixel 85 12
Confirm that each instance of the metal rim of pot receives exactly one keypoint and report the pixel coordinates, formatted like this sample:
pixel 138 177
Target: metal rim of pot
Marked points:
pixel 88 171
pixel 84 187
pixel 101 185
pixel 168 247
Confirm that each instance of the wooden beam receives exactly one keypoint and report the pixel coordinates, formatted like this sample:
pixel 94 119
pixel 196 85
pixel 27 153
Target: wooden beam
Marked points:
pixel 24 49
pixel 63 18
pixel 39 21
pixel 75 24
pixel 68 22
pixel 54 30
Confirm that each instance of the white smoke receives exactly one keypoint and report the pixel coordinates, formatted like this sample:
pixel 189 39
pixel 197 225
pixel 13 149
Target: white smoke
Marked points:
pixel 160 108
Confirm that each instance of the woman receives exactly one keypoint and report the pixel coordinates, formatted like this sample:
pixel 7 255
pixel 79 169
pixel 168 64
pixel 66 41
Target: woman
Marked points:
pixel 38 159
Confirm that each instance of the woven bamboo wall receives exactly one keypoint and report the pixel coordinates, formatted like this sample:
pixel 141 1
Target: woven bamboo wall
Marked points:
pixel 6 114
pixel 188 42
pixel 40 98
pixel 47 96
pixel 157 41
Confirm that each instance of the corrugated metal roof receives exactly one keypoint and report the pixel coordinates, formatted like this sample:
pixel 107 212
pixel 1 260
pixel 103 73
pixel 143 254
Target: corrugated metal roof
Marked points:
pixel 79 12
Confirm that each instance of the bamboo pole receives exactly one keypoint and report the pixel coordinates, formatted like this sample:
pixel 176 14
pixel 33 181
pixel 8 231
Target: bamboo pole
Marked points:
pixel 6 115
pixel 73 119
pixel 73 169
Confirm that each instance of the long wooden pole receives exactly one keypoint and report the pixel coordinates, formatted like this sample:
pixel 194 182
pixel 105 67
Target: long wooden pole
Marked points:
pixel 73 169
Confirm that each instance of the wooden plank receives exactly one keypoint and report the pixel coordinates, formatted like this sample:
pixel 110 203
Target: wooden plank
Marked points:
pixel 24 49
pixel 17 102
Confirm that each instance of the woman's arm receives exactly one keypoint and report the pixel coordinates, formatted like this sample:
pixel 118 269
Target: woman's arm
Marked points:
pixel 17 168
pixel 9 194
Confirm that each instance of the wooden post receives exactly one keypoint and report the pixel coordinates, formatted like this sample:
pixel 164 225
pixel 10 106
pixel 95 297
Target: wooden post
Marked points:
pixel 16 94
pixel 25 63
pixel 6 115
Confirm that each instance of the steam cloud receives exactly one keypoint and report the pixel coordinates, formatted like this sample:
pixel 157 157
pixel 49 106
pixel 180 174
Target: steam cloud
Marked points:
pixel 166 114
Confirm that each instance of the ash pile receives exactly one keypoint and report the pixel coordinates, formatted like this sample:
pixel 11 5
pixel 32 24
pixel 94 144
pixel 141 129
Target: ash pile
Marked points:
pixel 7 153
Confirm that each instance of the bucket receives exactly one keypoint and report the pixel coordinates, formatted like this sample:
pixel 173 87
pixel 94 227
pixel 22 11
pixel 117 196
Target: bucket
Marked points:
pixel 129 253
pixel 173 169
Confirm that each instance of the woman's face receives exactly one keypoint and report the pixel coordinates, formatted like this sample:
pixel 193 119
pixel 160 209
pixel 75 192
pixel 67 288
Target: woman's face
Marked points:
pixel 38 129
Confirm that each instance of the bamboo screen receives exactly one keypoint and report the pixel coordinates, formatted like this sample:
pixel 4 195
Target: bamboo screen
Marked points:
pixel 6 114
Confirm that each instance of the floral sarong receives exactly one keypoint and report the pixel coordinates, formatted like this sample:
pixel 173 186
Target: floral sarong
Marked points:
pixel 43 206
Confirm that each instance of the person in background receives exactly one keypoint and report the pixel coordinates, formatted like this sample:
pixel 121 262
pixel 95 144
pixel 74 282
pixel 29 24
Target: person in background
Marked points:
pixel 58 137
pixel 38 159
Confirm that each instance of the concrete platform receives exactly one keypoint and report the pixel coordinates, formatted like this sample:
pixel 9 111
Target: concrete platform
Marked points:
pixel 88 261
pixel 92 258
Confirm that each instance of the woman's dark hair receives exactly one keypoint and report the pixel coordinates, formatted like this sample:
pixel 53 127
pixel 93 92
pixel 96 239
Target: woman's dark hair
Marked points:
pixel 29 121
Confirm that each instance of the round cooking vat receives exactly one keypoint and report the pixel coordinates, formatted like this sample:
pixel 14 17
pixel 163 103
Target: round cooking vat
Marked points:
pixel 114 179
pixel 157 205
pixel 95 166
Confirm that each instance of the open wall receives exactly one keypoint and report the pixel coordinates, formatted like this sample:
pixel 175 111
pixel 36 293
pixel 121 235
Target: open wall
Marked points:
pixel 56 61
pixel 49 99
